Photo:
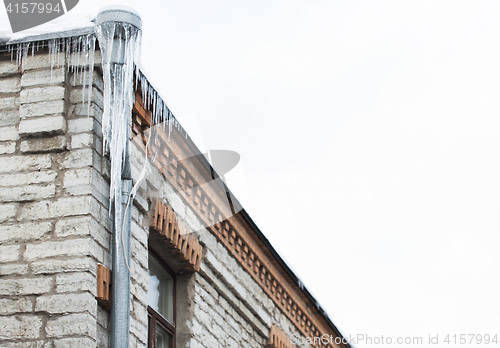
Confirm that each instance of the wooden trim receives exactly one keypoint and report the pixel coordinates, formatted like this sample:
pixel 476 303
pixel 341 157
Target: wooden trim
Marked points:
pixel 160 260
pixel 103 286
pixel 278 339
pixel 154 317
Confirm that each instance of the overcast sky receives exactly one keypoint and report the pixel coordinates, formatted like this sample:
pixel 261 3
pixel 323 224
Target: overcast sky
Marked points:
pixel 369 134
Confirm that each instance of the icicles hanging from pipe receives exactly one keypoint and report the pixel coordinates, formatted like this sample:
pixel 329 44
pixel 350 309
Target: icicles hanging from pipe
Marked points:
pixel 79 53
pixel 120 45
pixel 119 36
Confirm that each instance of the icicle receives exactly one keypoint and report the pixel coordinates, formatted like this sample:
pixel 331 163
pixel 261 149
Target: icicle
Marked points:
pixel 67 44
pixel 118 98
pixel 82 46
pixel 52 50
pixel 84 77
pixel 159 110
pixel 79 54
pixel 91 55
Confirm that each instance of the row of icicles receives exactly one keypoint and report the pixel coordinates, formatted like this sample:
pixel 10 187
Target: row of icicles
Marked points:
pixel 78 53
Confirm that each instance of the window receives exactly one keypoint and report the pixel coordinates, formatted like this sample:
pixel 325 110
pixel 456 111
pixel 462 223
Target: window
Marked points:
pixel 161 305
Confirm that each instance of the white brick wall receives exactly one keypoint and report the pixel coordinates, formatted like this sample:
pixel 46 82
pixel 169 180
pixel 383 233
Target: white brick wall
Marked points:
pixel 7 68
pixel 17 179
pixel 7 211
pixel 57 143
pixel 15 306
pixel 27 193
pixel 10 85
pixel 9 133
pixel 55 229
pixel 43 61
pixel 77 97
pixel 9 102
pixel 42 108
pixel 74 343
pixel 21 326
pixel 42 125
pixel 29 286
pixel 55 266
pixel 70 325
pixel 71 247
pixel 52 235
pixel 42 94
pixel 10 253
pixel 13 269
pixel 24 163
pixel 9 117
pixel 7 148
pixel 63 303
pixel 43 77
pixel 62 207
pixel 24 232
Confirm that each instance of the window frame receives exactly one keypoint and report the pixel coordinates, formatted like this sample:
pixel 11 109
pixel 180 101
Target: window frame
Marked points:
pixel 155 318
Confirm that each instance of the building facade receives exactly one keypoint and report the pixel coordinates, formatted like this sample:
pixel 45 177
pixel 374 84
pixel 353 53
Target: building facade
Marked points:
pixel 201 272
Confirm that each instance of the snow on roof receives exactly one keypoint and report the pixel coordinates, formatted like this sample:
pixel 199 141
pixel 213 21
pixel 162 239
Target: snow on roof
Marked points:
pixel 119 7
pixel 69 23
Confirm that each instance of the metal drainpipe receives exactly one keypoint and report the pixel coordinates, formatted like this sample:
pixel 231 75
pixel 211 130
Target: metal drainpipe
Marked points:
pixel 120 295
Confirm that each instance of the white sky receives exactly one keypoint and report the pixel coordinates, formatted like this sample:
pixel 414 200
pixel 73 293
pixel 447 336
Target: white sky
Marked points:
pixel 369 133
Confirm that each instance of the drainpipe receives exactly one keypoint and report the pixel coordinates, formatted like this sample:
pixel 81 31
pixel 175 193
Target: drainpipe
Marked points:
pixel 121 252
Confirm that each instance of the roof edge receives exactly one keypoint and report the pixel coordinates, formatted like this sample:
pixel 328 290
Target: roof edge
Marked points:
pixel 54 35
pixel 90 30
pixel 244 214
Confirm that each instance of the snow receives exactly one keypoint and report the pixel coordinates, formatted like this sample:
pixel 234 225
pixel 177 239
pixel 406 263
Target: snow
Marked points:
pixel 70 21
pixel 119 7
pixel 118 74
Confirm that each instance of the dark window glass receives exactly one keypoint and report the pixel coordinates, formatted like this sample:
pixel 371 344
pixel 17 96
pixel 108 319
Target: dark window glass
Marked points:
pixel 163 338
pixel 161 290
pixel 161 309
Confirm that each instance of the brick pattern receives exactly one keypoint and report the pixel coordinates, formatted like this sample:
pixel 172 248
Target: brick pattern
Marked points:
pixel 54 223
pixel 230 233
pixel 55 228
pixel 216 322
pixel 174 233
pixel 278 339
pixel 139 279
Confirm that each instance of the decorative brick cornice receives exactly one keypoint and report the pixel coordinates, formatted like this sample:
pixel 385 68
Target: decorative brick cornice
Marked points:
pixel 278 339
pixel 234 233
pixel 186 246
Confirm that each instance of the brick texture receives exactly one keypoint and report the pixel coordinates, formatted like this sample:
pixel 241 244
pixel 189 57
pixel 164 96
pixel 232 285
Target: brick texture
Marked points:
pixel 51 239
pixel 55 230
